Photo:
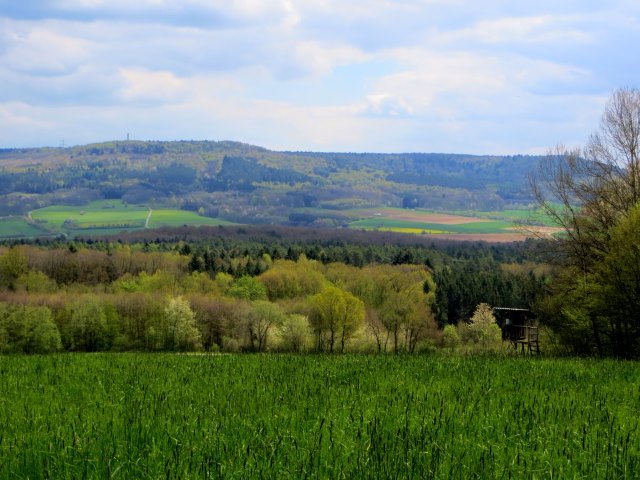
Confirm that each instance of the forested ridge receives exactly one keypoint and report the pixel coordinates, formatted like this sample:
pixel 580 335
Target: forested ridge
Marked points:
pixel 249 184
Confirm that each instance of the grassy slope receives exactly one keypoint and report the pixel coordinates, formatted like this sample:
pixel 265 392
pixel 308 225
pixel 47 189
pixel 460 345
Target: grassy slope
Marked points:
pixel 102 213
pixel 281 416
pixel 177 218
pixel 18 228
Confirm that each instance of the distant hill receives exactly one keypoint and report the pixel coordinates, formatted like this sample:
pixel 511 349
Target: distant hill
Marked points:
pixel 249 184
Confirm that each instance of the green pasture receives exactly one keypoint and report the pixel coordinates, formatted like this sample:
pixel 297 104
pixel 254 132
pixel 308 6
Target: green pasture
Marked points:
pixel 295 416
pixel 381 223
pixel 177 218
pixel 113 216
pixel 535 216
pixel 96 215
pixel 19 228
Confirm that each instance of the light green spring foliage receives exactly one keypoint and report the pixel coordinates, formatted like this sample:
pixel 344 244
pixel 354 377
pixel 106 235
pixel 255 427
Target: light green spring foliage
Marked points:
pixel 28 329
pixel 87 327
pixel 297 416
pixel 35 281
pixel 13 263
pixel 287 279
pixel 248 288
pixel 128 313
pixel 482 332
pixel 179 332
pixel 335 317
pixel 294 334
pixel 224 282
pixel 262 317
pixel 450 337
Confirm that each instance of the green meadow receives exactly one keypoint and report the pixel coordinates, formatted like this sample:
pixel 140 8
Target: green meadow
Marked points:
pixel 333 416
pixel 536 216
pixel 101 214
pixel 113 216
pixel 177 218
pixel 19 228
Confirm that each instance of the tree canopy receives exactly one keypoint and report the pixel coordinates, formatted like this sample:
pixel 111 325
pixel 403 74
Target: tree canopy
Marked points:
pixel 593 193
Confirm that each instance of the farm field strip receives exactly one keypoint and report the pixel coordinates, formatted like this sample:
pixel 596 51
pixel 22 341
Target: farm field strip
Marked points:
pixel 418 215
pixel 293 416
pixel 466 228
pixel 176 218
pixel 513 215
pixel 97 214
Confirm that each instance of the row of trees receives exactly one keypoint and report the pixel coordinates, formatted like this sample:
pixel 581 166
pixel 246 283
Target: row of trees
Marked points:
pixel 293 306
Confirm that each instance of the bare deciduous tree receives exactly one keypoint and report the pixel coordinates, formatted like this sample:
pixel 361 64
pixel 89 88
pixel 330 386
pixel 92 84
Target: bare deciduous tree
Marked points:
pixel 586 191
pixel 590 192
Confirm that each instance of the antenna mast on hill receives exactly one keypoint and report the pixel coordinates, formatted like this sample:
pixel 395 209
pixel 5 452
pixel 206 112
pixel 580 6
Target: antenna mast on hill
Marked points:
pixel 127 136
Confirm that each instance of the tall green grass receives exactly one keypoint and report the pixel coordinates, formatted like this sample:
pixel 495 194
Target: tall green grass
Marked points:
pixel 282 416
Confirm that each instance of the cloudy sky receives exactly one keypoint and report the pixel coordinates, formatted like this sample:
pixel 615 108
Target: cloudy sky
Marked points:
pixel 491 76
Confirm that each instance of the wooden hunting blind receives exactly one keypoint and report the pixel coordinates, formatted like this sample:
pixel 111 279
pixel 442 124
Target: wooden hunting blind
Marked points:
pixel 519 327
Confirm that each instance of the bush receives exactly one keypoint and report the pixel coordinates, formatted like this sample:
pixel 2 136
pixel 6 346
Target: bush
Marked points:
pixel 482 333
pixel 450 337
pixel 294 334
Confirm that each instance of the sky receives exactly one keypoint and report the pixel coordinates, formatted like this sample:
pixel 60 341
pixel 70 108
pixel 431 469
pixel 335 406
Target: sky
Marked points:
pixel 452 76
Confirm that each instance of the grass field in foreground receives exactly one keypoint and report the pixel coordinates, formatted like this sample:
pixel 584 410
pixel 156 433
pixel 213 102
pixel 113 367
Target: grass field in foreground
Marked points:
pixel 283 416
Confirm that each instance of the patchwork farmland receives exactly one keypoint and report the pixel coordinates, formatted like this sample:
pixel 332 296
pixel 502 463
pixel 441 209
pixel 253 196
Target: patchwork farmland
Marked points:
pixel 481 226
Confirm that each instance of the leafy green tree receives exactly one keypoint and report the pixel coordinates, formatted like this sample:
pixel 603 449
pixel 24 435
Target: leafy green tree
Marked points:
pixel 41 334
pixel 294 333
pixel 180 332
pixel 482 329
pixel 262 317
pixel 248 288
pixel 591 193
pixel 606 300
pixel 450 337
pixel 199 282
pixel 13 263
pixel 288 279
pixel 35 282
pixel 618 287
pixel 86 329
pixel 224 281
pixel 335 315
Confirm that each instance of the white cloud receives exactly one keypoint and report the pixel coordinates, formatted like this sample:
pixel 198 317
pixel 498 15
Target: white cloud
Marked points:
pixel 539 29
pixel 388 75
pixel 145 86
pixel 464 85
pixel 323 58
pixel 40 50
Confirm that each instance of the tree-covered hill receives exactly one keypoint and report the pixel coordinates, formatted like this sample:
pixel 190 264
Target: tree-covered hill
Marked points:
pixel 250 184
